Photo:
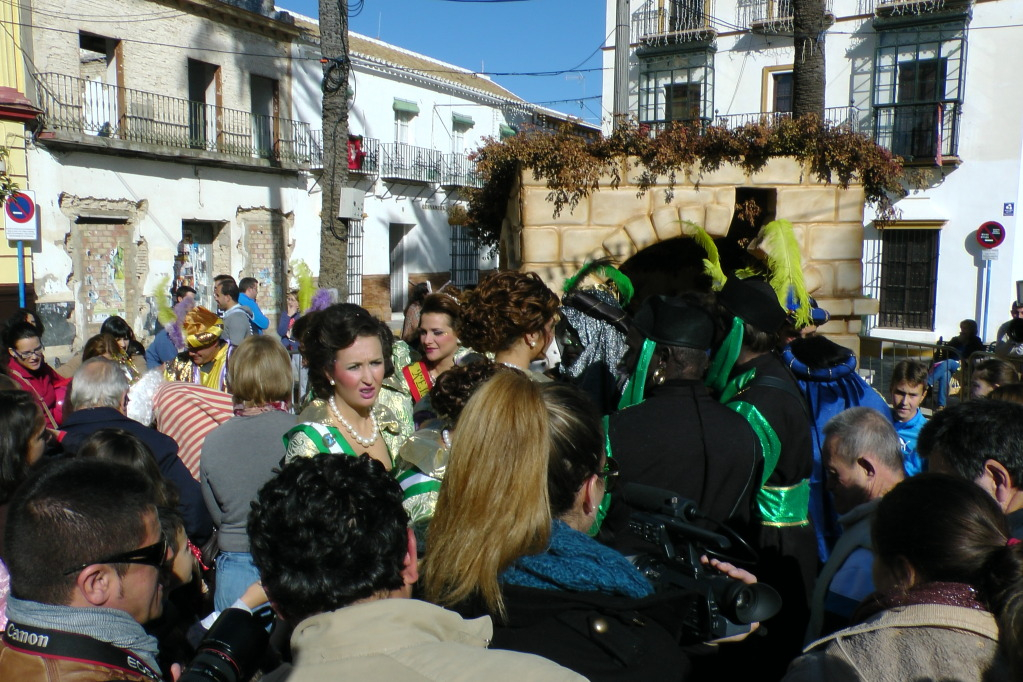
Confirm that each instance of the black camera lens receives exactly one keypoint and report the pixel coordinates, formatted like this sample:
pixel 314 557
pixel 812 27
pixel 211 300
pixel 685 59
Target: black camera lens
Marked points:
pixel 742 603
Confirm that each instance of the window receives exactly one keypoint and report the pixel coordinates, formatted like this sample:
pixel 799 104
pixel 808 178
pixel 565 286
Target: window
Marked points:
pixel 909 268
pixel 686 15
pixel 918 84
pixel 99 66
pixel 354 274
pixel 404 112
pixel 203 95
pixel 265 112
pixel 782 93
pixel 465 257
pixel 678 87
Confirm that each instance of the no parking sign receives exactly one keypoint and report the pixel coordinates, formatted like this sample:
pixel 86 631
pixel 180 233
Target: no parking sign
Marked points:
pixel 21 219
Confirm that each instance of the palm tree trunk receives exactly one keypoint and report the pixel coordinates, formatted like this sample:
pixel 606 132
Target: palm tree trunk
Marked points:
pixel 808 72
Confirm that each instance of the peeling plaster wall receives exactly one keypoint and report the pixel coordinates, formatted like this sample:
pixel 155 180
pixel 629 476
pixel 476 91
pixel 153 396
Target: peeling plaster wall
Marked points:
pixel 828 224
pixel 151 199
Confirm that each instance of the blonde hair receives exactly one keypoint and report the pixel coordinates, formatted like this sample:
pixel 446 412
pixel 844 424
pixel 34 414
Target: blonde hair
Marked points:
pixel 470 543
pixel 260 372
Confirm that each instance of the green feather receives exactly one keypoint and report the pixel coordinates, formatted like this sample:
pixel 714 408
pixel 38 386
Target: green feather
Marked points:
pixel 164 311
pixel 712 263
pixel 786 264
pixel 605 268
pixel 306 288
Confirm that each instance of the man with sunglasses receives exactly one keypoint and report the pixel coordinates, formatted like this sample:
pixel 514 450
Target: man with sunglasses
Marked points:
pixel 86 557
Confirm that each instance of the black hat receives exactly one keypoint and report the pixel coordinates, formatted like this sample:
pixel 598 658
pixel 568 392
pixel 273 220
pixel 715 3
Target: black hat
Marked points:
pixel 674 322
pixel 754 302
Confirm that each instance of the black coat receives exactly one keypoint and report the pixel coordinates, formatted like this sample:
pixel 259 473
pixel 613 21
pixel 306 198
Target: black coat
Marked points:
pixel 681 439
pixel 81 424
pixel 601 637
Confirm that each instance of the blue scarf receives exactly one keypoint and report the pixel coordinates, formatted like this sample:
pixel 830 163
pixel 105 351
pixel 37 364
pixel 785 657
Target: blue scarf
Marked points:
pixel 574 562
pixel 106 625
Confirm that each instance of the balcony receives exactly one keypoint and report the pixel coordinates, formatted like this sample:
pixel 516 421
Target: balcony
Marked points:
pixel 459 171
pixel 80 111
pixel 895 9
pixel 407 163
pixel 676 22
pixel 836 116
pixel 772 16
pixel 363 153
pixel 922 134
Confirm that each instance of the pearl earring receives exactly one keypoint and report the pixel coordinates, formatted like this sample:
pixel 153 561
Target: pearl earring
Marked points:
pixel 332 382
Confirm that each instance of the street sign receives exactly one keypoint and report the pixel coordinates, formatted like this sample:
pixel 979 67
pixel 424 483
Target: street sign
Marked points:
pixel 21 219
pixel 989 254
pixel 990 235
pixel 1009 208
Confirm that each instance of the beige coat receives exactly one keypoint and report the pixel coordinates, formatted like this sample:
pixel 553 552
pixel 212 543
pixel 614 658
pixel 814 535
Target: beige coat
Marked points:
pixel 405 640
pixel 923 642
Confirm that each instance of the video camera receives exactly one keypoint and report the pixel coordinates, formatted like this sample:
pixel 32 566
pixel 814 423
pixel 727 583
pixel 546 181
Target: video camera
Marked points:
pixel 722 606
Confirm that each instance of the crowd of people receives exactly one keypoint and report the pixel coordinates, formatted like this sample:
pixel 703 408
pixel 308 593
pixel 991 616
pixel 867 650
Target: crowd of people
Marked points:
pixel 517 486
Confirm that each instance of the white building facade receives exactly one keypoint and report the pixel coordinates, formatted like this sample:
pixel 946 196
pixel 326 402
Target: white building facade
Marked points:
pixel 181 140
pixel 928 80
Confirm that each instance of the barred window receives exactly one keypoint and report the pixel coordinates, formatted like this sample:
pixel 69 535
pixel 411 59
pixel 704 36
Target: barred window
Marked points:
pixel 677 87
pixel 909 269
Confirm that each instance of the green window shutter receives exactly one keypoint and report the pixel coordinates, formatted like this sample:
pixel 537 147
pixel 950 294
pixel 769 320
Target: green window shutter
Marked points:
pixel 406 106
pixel 507 131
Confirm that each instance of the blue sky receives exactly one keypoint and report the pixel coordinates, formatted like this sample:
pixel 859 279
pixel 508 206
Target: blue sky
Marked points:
pixel 523 36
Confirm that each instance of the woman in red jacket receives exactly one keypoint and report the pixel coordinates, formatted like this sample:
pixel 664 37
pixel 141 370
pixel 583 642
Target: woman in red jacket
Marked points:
pixel 27 366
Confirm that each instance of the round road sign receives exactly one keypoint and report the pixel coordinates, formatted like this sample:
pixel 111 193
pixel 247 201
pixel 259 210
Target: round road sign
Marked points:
pixel 20 208
pixel 990 234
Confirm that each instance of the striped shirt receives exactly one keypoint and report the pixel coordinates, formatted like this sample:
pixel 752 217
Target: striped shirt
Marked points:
pixel 187 412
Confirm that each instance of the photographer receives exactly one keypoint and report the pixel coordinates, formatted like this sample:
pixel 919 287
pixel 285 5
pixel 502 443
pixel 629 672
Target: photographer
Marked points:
pixel 526 475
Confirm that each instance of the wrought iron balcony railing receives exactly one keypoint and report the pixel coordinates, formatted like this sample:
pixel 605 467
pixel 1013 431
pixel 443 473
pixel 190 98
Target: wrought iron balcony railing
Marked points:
pixel 836 116
pixel 408 163
pixel 459 171
pixel 678 21
pixel 86 107
pixel 363 153
pixel 919 132
pixel 768 16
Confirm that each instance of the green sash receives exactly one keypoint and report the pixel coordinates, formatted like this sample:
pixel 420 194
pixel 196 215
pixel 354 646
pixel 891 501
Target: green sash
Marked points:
pixel 633 392
pixel 778 506
pixel 605 503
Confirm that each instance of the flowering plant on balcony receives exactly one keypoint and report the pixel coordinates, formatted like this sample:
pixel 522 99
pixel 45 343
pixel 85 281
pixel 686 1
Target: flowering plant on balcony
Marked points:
pixel 573 166
pixel 7 186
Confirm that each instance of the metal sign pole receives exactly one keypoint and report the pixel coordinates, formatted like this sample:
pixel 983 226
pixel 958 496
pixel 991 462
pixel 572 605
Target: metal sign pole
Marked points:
pixel 21 274
pixel 987 293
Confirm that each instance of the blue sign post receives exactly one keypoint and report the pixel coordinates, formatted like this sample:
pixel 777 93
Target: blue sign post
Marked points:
pixel 21 224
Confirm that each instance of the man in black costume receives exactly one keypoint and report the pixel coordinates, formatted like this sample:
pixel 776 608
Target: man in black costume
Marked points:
pixel 680 438
pixel 763 390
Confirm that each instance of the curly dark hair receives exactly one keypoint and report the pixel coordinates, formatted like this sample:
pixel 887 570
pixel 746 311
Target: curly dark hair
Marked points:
pixel 447 302
pixel 503 307
pixel 328 531
pixel 20 418
pixel 336 328
pixel 455 386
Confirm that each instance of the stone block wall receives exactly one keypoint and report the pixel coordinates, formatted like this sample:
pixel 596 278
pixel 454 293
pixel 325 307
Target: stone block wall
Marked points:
pixel 619 222
pixel 264 248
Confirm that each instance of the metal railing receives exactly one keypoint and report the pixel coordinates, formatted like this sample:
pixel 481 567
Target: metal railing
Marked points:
pixel 679 21
pixel 459 171
pixel 363 153
pixel 90 107
pixel 410 163
pixel 878 357
pixel 836 116
pixel 769 13
pixel 918 132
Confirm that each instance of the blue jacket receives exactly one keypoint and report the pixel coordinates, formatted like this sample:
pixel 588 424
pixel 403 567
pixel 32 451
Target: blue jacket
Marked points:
pixel 260 322
pixel 160 350
pixel 81 424
pixel 908 433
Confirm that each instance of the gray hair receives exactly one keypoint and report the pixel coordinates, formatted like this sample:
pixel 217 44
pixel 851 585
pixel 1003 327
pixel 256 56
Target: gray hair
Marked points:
pixel 99 382
pixel 862 430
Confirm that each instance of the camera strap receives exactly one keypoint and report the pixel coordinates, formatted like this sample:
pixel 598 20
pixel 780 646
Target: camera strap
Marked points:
pixel 73 647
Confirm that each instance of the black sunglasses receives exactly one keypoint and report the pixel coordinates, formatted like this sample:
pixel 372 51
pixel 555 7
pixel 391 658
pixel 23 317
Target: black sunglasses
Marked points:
pixel 610 474
pixel 151 555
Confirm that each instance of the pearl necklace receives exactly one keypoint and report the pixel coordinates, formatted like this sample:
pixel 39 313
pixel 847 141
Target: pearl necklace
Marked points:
pixel 364 442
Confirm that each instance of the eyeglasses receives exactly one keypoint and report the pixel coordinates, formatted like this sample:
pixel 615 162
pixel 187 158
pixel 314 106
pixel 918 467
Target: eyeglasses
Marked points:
pixel 34 353
pixel 151 555
pixel 610 474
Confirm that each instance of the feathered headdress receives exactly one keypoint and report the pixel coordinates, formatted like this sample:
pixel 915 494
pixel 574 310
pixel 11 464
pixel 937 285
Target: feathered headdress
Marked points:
pixel 712 263
pixel 306 288
pixel 778 241
pixel 603 267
